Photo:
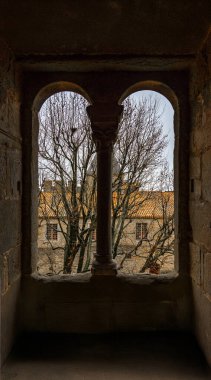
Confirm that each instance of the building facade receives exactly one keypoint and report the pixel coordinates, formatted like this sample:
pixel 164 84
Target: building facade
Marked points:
pixel 149 226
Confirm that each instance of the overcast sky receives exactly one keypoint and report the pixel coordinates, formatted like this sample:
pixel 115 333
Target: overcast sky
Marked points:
pixel 167 119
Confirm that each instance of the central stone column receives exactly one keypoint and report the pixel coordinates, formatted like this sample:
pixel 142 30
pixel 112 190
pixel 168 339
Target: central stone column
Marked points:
pixel 104 122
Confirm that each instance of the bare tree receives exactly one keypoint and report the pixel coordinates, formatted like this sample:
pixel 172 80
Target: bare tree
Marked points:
pixel 67 156
pixel 155 248
pixel 161 241
pixel 138 154
pixel 65 153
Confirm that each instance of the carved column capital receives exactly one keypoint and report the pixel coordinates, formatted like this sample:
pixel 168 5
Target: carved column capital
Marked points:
pixel 104 123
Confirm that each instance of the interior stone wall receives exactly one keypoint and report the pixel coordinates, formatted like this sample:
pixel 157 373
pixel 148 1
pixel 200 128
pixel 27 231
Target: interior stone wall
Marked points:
pixel 10 197
pixel 86 304
pixel 200 196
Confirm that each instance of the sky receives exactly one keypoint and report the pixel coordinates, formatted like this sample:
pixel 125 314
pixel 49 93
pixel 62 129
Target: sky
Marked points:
pixel 167 119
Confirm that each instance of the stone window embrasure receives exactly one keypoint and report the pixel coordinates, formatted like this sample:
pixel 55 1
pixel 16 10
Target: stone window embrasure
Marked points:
pixel 104 117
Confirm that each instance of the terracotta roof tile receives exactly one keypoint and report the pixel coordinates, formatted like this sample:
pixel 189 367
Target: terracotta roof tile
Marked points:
pixel 146 205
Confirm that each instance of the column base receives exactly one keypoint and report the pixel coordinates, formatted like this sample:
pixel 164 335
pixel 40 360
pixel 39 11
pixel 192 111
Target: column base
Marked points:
pixel 104 269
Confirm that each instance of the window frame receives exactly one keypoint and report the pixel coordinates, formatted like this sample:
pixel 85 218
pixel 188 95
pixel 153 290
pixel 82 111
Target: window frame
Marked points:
pixel 51 231
pixel 141 235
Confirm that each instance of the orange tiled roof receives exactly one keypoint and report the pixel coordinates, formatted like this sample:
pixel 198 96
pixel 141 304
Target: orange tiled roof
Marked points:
pixel 153 205
pixel 143 205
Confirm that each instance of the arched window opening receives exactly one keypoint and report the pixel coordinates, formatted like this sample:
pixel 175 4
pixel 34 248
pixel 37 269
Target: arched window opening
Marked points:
pixel 67 186
pixel 143 186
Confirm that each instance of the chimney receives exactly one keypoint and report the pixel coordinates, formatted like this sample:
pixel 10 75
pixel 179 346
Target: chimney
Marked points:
pixel 47 185
pixel 58 186
pixel 69 186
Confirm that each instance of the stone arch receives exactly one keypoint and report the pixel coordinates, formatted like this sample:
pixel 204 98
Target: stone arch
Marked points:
pixel 54 87
pixel 156 86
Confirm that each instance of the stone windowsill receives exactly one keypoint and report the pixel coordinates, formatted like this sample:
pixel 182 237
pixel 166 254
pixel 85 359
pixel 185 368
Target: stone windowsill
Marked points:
pixel 88 277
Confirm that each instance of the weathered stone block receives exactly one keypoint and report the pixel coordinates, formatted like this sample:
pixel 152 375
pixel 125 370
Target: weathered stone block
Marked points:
pixel 10 171
pixel 195 192
pixel 9 328
pixel 14 263
pixel 9 94
pixel 4 273
pixel 195 167
pixel 195 263
pixel 200 218
pixel 9 267
pixel 200 139
pixel 86 317
pixel 202 320
pixel 3 173
pixel 206 175
pixel 125 312
pixel 201 133
pixel 207 273
pixel 10 220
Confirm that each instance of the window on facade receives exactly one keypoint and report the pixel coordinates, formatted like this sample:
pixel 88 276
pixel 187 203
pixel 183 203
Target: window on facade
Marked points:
pixel 94 235
pixel 141 231
pixel 52 231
